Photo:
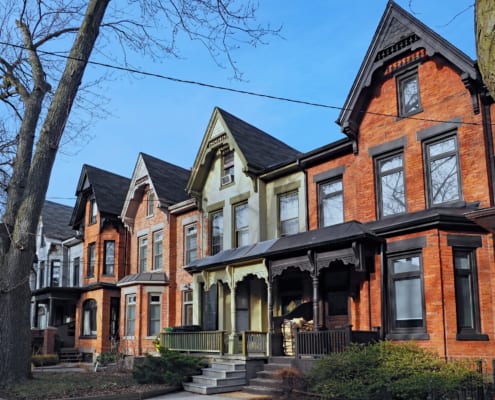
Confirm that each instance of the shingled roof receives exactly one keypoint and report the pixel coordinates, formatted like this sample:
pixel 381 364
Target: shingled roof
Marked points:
pixel 260 149
pixel 169 180
pixel 55 218
pixel 109 190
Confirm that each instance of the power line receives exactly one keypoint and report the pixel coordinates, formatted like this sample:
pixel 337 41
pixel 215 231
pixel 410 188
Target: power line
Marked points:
pixel 232 90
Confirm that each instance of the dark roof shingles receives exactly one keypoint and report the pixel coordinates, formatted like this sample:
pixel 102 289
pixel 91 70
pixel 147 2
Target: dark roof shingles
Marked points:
pixel 56 218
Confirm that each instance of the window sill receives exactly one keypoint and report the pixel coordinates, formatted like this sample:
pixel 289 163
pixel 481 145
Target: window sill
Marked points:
pixel 408 336
pixel 472 336
pixel 109 275
pixel 402 116
pixel 129 337
pixel 151 337
pixel 87 337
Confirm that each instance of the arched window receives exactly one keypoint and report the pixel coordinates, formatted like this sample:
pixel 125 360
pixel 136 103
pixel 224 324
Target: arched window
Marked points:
pixel 89 318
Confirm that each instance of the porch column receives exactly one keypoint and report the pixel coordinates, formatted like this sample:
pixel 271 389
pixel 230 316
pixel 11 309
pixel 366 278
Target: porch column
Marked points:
pixel 270 317
pixel 315 301
pixel 50 312
pixel 233 322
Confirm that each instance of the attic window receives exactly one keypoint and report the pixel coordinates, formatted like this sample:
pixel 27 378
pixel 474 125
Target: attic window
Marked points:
pixel 151 203
pixel 93 210
pixel 228 167
pixel 408 97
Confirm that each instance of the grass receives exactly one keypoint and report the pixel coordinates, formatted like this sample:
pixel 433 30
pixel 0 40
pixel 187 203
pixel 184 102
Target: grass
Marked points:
pixel 66 385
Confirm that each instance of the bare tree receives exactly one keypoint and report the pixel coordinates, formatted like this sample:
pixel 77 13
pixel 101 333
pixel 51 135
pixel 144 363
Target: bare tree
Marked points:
pixel 485 39
pixel 41 83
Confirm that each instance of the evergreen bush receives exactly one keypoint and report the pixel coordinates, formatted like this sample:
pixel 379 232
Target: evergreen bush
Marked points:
pixel 390 371
pixel 170 367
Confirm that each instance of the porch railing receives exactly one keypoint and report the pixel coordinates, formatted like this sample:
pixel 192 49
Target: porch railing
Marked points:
pixel 315 343
pixel 254 343
pixel 195 342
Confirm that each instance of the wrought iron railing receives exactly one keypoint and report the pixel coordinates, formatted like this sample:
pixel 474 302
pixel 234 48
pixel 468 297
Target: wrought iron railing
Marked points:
pixel 194 342
pixel 316 343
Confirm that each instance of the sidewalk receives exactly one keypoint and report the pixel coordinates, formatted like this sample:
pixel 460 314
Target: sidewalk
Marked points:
pixel 220 396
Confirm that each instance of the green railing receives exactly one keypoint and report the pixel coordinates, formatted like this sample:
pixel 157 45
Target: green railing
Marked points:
pixel 194 342
pixel 254 343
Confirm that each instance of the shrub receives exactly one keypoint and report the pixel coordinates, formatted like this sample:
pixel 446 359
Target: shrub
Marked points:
pixel 389 371
pixel 169 367
pixel 292 378
pixel 106 358
pixel 40 360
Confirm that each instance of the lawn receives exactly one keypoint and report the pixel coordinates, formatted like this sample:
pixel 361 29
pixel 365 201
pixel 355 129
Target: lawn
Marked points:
pixel 66 385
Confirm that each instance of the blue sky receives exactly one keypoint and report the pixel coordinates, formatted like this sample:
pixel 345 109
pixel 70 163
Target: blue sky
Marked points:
pixel 323 45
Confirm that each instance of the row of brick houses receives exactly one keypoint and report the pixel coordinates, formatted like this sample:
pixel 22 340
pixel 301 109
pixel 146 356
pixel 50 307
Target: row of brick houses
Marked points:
pixel 387 231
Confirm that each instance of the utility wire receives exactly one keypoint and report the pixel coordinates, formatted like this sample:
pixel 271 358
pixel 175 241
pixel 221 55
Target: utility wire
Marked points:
pixel 232 90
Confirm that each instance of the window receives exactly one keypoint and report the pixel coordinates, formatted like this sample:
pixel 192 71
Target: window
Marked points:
pixel 288 210
pixel 407 311
pixel 42 274
pixel 157 250
pixel 76 271
pixel 391 191
pixel 228 168
pixel 443 177
pixel 55 274
pixel 93 210
pixel 191 242
pixel 151 203
pixel 142 253
pixel 89 318
pixel 466 293
pixel 241 225
pixel 216 234
pixel 91 259
pixel 154 314
pixel 109 265
pixel 187 307
pixel 331 202
pixel 408 94
pixel 130 314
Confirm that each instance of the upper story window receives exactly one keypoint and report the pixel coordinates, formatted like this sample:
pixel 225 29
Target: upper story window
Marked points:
pixel 227 167
pixel 391 193
pixel 216 234
pixel 151 203
pixel 91 260
pixel 157 250
pixel 442 171
pixel 241 225
pixel 288 210
pixel 109 264
pixel 76 266
pixel 55 280
pixel 93 211
pixel 42 274
pixel 142 253
pixel 190 243
pixel 408 94
pixel 406 297
pixel 330 202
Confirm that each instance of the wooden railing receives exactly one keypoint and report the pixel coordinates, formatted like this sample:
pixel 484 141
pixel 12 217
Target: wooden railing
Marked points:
pixel 254 343
pixel 195 342
pixel 315 343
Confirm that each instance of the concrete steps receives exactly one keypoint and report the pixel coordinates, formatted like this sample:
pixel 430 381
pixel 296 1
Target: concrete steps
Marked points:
pixel 68 355
pixel 267 382
pixel 220 377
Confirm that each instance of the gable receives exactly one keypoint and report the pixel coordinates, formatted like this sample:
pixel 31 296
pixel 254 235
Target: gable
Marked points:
pixel 399 35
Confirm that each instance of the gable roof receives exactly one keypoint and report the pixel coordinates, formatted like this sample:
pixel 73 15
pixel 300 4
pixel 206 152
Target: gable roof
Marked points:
pixel 169 180
pixel 259 151
pixel 109 191
pixel 55 218
pixel 397 34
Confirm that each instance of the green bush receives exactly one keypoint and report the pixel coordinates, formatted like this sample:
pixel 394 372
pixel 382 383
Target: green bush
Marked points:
pixel 40 360
pixel 389 371
pixel 169 367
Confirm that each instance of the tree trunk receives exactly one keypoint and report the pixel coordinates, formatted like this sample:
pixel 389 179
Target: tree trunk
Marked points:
pixel 19 238
pixel 485 41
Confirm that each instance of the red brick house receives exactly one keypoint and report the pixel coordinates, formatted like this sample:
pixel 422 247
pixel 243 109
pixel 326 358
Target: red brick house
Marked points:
pixel 151 288
pixel 100 198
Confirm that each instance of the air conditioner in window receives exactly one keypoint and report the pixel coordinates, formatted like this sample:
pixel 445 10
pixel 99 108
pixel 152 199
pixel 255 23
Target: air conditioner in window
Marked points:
pixel 226 179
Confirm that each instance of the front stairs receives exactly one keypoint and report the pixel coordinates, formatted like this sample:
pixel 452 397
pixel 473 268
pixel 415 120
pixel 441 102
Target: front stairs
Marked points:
pixel 268 382
pixel 219 377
